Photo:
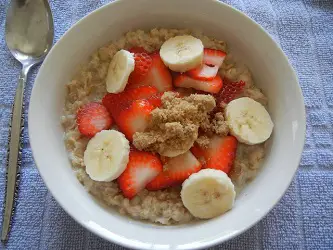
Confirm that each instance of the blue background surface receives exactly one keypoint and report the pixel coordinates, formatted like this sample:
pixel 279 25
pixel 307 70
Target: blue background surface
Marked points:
pixel 303 219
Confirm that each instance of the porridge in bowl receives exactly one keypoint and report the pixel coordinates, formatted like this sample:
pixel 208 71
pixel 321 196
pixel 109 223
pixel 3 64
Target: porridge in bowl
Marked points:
pixel 165 126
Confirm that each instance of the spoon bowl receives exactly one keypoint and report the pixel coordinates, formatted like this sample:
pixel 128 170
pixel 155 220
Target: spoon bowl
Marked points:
pixel 29 30
pixel 29 37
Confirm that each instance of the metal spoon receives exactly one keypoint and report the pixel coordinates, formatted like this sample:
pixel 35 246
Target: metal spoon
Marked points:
pixel 29 37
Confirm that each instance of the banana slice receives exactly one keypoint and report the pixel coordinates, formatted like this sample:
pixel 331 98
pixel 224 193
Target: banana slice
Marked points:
pixel 182 53
pixel 208 193
pixel 120 68
pixel 106 156
pixel 248 121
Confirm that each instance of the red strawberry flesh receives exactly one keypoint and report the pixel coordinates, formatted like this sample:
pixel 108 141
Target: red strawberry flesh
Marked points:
pixel 143 63
pixel 230 91
pixel 219 155
pixel 176 170
pixel 214 57
pixel 211 86
pixel 93 118
pixel 115 103
pixel 135 118
pixel 142 167
pixel 158 76
pixel 204 72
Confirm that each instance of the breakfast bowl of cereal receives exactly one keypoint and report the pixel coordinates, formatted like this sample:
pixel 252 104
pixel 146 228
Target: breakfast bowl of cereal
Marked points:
pixel 164 126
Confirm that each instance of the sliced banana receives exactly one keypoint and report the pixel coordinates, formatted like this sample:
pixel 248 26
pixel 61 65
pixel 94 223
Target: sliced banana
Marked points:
pixel 120 68
pixel 182 53
pixel 208 193
pixel 106 155
pixel 248 121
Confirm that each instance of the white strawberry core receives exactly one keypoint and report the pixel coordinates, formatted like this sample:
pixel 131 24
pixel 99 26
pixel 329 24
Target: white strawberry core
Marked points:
pixel 143 175
pixel 139 123
pixel 214 60
pixel 98 123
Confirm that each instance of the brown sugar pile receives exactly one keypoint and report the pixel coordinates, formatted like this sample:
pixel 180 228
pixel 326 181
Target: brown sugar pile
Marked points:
pixel 174 127
pixel 217 125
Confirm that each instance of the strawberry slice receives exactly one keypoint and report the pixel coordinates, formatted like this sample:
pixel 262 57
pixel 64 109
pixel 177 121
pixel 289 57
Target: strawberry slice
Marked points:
pixel 137 50
pixel 230 90
pixel 161 181
pixel 176 170
pixel 135 118
pixel 93 118
pixel 142 168
pixel 212 61
pixel 204 72
pixel 214 57
pixel 155 99
pixel 219 155
pixel 211 86
pixel 158 76
pixel 115 103
pixel 143 63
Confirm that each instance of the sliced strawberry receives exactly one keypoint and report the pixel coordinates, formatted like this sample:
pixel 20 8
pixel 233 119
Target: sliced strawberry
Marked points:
pixel 212 61
pixel 155 99
pixel 182 166
pixel 127 96
pixel 161 181
pixel 230 91
pixel 158 76
pixel 143 63
pixel 219 155
pixel 93 118
pixel 211 86
pixel 115 103
pixel 135 118
pixel 176 170
pixel 137 50
pixel 204 72
pixel 142 168
pixel 214 57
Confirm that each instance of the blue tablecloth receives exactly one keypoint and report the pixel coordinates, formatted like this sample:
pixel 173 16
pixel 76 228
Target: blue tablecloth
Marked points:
pixel 303 219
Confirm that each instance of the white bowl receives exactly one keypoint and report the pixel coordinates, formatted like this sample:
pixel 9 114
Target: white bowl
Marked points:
pixel 271 70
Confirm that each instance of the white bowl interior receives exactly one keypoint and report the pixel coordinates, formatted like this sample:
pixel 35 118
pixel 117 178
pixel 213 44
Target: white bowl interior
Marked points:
pixel 271 71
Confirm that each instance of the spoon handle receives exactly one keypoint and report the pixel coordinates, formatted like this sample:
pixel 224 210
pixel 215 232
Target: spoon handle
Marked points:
pixel 14 154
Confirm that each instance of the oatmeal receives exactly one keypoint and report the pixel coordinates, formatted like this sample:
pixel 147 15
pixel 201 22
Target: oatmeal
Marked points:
pixel 179 120
pixel 163 207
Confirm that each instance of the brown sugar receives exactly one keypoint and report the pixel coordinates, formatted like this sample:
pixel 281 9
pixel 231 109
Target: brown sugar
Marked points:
pixel 219 125
pixel 174 126
pixel 203 141
pixel 215 125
